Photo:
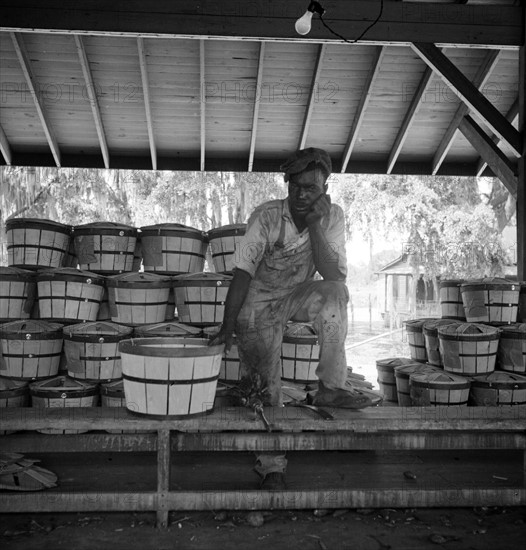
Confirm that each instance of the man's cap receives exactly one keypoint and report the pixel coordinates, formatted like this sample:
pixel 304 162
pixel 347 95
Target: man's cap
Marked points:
pixel 298 161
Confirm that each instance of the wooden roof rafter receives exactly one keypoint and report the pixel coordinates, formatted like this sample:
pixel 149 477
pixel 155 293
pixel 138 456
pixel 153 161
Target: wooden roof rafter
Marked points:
pixel 362 107
pixel 489 151
pixel 479 81
pixel 461 85
pixel 312 95
pixel 512 115
pixel 202 102
pixel 257 101
pixel 94 104
pixel 25 64
pixel 5 148
pixel 147 102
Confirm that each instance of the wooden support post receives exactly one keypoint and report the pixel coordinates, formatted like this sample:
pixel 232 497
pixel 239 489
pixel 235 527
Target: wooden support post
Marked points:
pixel 163 477
pixel 521 179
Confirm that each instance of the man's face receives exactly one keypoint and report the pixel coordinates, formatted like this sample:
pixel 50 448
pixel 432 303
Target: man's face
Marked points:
pixel 304 189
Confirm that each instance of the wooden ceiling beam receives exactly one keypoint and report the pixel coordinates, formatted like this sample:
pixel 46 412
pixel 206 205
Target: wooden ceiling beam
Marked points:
pixel 362 106
pixel 257 101
pixel 409 118
pixel 5 148
pixel 25 64
pixel 470 95
pixel 312 95
pixel 202 103
pixel 511 115
pixel 401 22
pixel 92 97
pixel 147 103
pixel 488 150
pixel 479 82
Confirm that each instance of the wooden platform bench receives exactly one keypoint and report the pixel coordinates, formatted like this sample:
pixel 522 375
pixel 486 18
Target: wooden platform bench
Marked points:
pixel 292 429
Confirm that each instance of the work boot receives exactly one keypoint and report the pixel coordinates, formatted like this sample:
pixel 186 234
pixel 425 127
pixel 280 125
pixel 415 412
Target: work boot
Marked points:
pixel 340 398
pixel 273 481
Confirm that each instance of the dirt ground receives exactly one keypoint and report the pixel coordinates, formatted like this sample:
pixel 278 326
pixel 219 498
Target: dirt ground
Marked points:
pixel 363 529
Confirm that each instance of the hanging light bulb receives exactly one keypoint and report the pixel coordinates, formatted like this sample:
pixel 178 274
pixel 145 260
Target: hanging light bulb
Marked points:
pixel 303 24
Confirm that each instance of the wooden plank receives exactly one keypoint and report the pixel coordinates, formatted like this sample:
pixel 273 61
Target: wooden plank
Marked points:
pixel 202 103
pixel 409 119
pixel 374 419
pixel 32 84
pixel 312 95
pixel 479 81
pixel 362 107
pixel 330 498
pixel 489 151
pixel 512 115
pixel 257 101
pixel 90 89
pixel 521 191
pixel 147 101
pixel 469 94
pixel 401 22
pixel 5 148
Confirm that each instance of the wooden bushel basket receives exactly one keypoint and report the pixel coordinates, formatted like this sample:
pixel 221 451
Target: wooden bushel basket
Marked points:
pixel 200 298
pixel 92 350
pixel 30 350
pixel 415 338
pixel 105 247
pixel 138 298
pixel 36 244
pixel 13 394
pixel 63 392
pixel 172 248
pixel 230 364
pixel 491 300
pixel 511 353
pixel 438 388
pixel 469 349
pixel 69 295
pixel 385 369
pixel 300 353
pixel 450 297
pixel 223 243
pixel 432 343
pixel 112 395
pixel 170 329
pixel 174 377
pixel 17 293
pixel 498 389
pixel 403 380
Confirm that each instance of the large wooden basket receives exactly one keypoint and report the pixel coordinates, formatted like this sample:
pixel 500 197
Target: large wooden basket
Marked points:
pixel 30 349
pixel 403 380
pixel 469 349
pixel 17 293
pixel 171 248
pixel 138 298
pixel 63 392
pixel 497 389
pixel 511 353
pixel 174 377
pixel 105 247
pixel 385 369
pixel 415 338
pixel 13 393
pixel 450 297
pixel 92 350
pixel 200 298
pixel 438 388
pixel 223 243
pixel 300 353
pixel 36 243
pixel 491 300
pixel 432 343
pixel 69 295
